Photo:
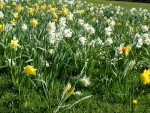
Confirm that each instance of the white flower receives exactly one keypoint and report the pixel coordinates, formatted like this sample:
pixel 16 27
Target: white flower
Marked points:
pixel 91 30
pixel 62 25
pixel 132 64
pixel 112 23
pixel 85 81
pixel 82 40
pixel 145 35
pixel 108 31
pixel 119 49
pixel 144 28
pixel 10 62
pixel 139 43
pixel 77 93
pixel 137 35
pixel 62 20
pixel 99 41
pixel 1 14
pixel 70 16
pixel 51 51
pixel 80 21
pixel 147 41
pixel 67 33
pixel 24 27
pixel 109 41
pixel 8 27
pixel 51 27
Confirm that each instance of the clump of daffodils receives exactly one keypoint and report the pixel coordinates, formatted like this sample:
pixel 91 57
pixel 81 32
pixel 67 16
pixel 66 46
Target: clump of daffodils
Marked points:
pixel 145 77
pixel 30 70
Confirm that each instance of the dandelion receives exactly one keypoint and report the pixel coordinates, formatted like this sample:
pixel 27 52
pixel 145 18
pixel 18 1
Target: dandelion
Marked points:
pixel 145 77
pixel 30 70
pixel 34 22
pixel 14 44
pixel 85 81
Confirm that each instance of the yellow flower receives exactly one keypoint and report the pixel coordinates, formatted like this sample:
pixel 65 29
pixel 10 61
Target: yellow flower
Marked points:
pixel 128 48
pixel 34 22
pixel 30 70
pixel 1 5
pixel 121 13
pixel 145 18
pixel 55 15
pixel 19 7
pixel 67 88
pixel 118 24
pixel 1 27
pixel 15 15
pixel 134 101
pixel 14 44
pixel 145 77
pixel 13 22
pixel 43 7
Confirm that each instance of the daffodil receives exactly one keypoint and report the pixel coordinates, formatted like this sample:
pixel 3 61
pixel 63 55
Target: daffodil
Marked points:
pixel 145 77
pixel 85 81
pixel 15 15
pixel 30 70
pixel 134 101
pixel 14 44
pixel 67 88
pixel 1 27
pixel 34 22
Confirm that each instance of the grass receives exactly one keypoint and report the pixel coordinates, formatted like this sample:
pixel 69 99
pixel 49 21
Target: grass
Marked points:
pixel 73 58
pixel 126 5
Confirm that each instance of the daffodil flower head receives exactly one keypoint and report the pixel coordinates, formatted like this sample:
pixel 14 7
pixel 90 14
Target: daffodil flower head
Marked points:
pixel 14 44
pixel 30 70
pixel 85 81
pixel 145 77
pixel 34 22
pixel 134 101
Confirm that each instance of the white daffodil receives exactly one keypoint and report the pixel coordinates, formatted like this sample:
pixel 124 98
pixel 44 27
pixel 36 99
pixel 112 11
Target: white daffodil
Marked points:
pixel 85 81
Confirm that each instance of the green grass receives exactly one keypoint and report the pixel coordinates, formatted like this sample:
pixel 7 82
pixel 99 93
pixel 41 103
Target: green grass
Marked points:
pixel 126 5
pixel 104 46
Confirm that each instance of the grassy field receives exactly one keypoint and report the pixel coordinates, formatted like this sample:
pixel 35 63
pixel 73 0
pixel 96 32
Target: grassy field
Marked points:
pixel 74 57
pixel 126 5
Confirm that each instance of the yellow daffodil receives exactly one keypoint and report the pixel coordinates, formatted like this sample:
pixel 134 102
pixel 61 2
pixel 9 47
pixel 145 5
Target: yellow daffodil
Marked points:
pixel 145 77
pixel 128 48
pixel 121 13
pixel 1 27
pixel 14 44
pixel 67 88
pixel 134 101
pixel 30 70
pixel 13 22
pixel 16 15
pixel 34 22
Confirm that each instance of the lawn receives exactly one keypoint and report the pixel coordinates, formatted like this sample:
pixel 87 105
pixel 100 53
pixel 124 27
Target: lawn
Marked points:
pixel 73 57
pixel 126 5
